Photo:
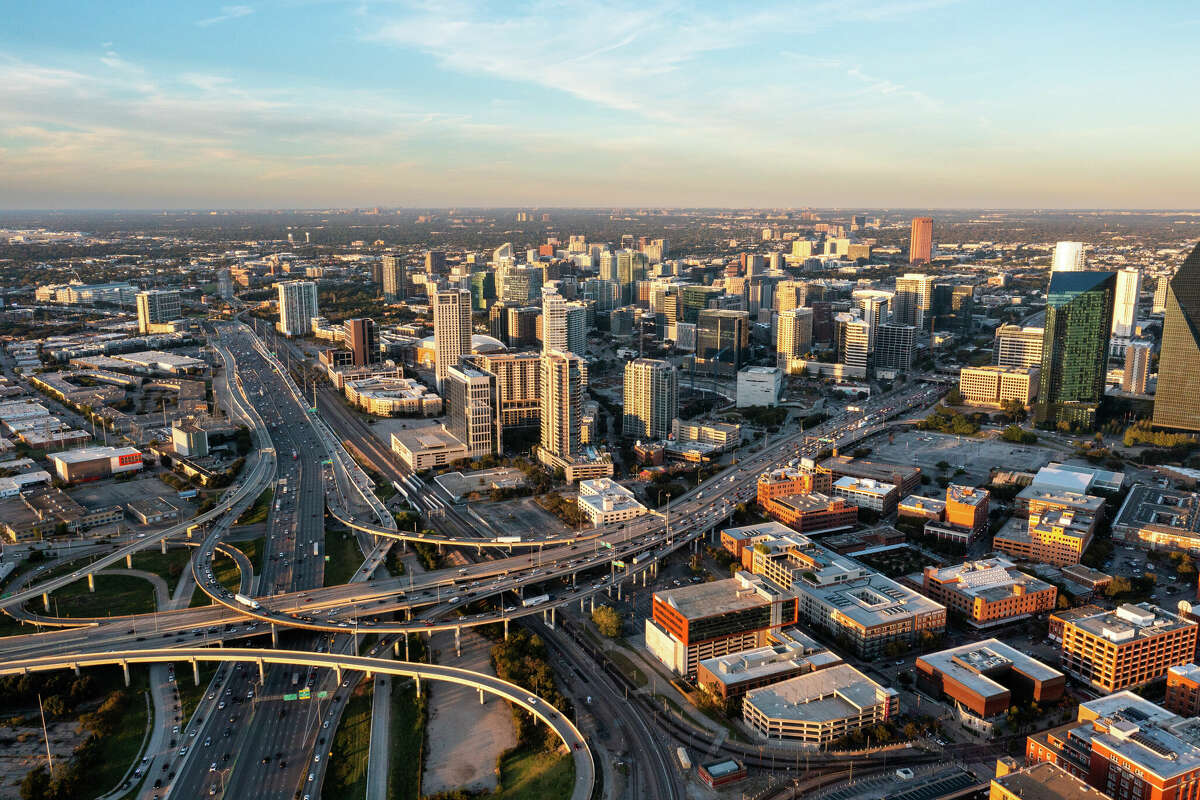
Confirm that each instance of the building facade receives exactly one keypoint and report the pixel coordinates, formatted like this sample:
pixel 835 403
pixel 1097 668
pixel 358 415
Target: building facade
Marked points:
pixel 1075 348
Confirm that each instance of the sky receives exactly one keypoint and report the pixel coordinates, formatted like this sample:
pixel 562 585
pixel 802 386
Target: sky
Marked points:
pixel 836 103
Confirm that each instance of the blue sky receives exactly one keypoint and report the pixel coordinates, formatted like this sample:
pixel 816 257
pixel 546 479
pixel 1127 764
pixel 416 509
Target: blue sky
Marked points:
pixel 868 103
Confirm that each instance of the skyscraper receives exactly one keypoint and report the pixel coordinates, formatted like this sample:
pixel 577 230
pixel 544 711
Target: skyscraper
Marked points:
pixel 1068 257
pixel 853 343
pixel 1129 286
pixel 875 309
pixel 894 347
pixel 1079 308
pixel 224 283
pixel 1137 366
pixel 651 398
pixel 470 408
pixel 451 330
pixel 793 335
pixel 435 262
pixel 297 307
pixel 362 339
pixel 483 290
pixel 920 241
pixel 722 340
pixel 562 379
pixel 1177 398
pixel 394 279
pixel 157 307
pixel 631 268
pixel 914 298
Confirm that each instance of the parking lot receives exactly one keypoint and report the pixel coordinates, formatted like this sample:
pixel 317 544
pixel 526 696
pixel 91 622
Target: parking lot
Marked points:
pixel 978 457
pixel 112 493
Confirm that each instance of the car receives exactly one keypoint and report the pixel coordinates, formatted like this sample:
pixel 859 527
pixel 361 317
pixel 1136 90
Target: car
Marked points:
pixel 311 776
pixel 212 767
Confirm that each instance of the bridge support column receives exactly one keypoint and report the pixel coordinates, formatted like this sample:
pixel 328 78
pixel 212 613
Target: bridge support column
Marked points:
pixel 396 646
pixel 46 600
pixel 417 678
pixel 125 669
pixel 129 561
pixel 506 629
pixel 195 672
pixel 337 672
pixel 479 550
pixel 91 581
pixel 76 668
pixel 593 599
pixel 274 635
pixel 163 545
pixel 458 641
pixel 262 672
pixel 551 616
pixel 582 600
pixel 481 697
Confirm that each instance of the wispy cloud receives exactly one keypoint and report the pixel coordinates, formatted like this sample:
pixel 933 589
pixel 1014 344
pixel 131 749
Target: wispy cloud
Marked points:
pixel 227 13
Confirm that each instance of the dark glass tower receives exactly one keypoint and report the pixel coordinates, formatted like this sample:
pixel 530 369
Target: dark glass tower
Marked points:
pixel 1177 399
pixel 1079 309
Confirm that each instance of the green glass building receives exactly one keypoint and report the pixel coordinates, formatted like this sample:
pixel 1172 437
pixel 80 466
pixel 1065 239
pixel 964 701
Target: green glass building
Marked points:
pixel 1079 309
pixel 1177 399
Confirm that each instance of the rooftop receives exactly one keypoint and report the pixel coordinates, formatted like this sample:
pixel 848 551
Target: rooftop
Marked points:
pixel 1046 781
pixel 826 695
pixel 1130 621
pixel 972 665
pixel 794 650
pixel 1143 733
pixel 1162 510
pixel 745 591
pixel 91 454
pixel 850 483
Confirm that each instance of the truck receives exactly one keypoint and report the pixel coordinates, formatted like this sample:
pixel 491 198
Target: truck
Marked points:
pixel 508 539
pixel 248 602
pixel 295 678
pixel 535 601
pixel 316 552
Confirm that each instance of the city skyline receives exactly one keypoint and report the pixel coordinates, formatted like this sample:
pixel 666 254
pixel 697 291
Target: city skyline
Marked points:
pixel 282 105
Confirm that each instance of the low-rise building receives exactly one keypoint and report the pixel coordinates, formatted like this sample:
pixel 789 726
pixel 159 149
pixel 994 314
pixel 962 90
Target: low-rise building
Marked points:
pixel 1041 781
pixel 868 493
pixel 983 679
pixel 1054 536
pixel 820 707
pixel 905 478
pixel 996 386
pixel 152 510
pixel 804 478
pixel 721 773
pixel 392 397
pixel 94 463
pixel 425 448
pixel 813 513
pixel 1183 690
pixel 792 653
pixel 759 386
pixel 988 592
pixel 604 501
pixel 1159 519
pixel 724 436
pixel 1128 647
pixel 189 440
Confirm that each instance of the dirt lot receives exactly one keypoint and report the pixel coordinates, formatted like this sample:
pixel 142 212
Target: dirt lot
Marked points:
pixel 978 457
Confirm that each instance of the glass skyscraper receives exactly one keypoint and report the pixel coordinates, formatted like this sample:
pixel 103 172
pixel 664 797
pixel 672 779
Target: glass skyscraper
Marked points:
pixel 1177 399
pixel 1079 309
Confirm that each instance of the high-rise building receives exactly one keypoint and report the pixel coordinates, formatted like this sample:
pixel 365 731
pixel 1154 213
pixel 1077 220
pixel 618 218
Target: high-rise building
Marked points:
pixel 894 347
pixel 517 392
pixel 1129 286
pixel 522 326
pixel 631 268
pixel 1075 347
pixel 853 342
pixel 483 290
pixel 696 299
pixel 651 398
pixel 564 325
pixel 435 262
pixel 793 335
pixel 789 295
pixel 362 339
pixel 297 307
pixel 451 330
pixel 395 282
pixel 470 408
pixel 1068 257
pixel 520 285
pixel 577 243
pixel 503 253
pixel 920 242
pixel 914 298
pixel 875 309
pixel 1175 399
pixel 1018 347
pixel 224 283
pixel 722 340
pixel 562 378
pixel 1160 294
pixel 1137 366
pixel 157 307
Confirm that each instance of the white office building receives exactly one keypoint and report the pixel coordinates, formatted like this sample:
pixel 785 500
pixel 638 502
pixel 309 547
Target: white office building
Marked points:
pixel 1068 257
pixel 297 307
pixel 759 386
pixel 1129 286
pixel 451 330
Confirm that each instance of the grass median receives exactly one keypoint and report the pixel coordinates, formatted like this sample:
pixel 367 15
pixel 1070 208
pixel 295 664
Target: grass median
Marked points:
pixel 347 774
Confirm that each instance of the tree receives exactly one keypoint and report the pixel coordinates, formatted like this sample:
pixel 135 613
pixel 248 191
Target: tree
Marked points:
pixel 607 621
pixel 36 784
pixel 954 397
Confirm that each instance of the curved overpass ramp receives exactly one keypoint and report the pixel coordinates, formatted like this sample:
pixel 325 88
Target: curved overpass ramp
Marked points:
pixel 503 542
pixel 571 736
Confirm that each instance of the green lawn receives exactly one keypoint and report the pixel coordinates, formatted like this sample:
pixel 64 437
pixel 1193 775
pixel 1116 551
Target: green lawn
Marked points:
pixel 170 566
pixel 407 740
pixel 258 511
pixel 190 693
pixel 121 749
pixel 528 774
pixel 344 557
pixel 115 595
pixel 199 598
pixel 226 569
pixel 346 778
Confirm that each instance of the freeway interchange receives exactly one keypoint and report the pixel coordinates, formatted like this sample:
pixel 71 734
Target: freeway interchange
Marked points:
pixel 299 454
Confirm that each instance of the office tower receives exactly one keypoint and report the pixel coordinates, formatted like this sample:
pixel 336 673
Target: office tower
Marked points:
pixel 1018 347
pixel 605 294
pixel 913 301
pixel 1177 398
pixel 503 253
pixel 1137 366
pixel 1068 257
pixel 962 307
pixel 517 388
pixel 469 394
pixel 435 262
pixel 522 325
pixel 631 268
pixel 608 266
pixel 802 248
pixel 562 379
pixel 451 330
pixel 920 242
pixel 793 335
pixel 655 251
pixel 297 307
pixel 853 342
pixel 894 347
pixel 651 398
pixel 1160 294
pixel 822 321
pixel 520 285
pixel 789 295
pixel 754 264
pixel 498 321
pixel 393 278
pixel 874 306
pixel 1079 309
pixel 156 307
pixel 1129 286
pixel 483 290
pixel 564 325
pixel 722 340
pixel 577 243
pixel 837 246
pixel 362 339
pixel 696 299
pixel 224 283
